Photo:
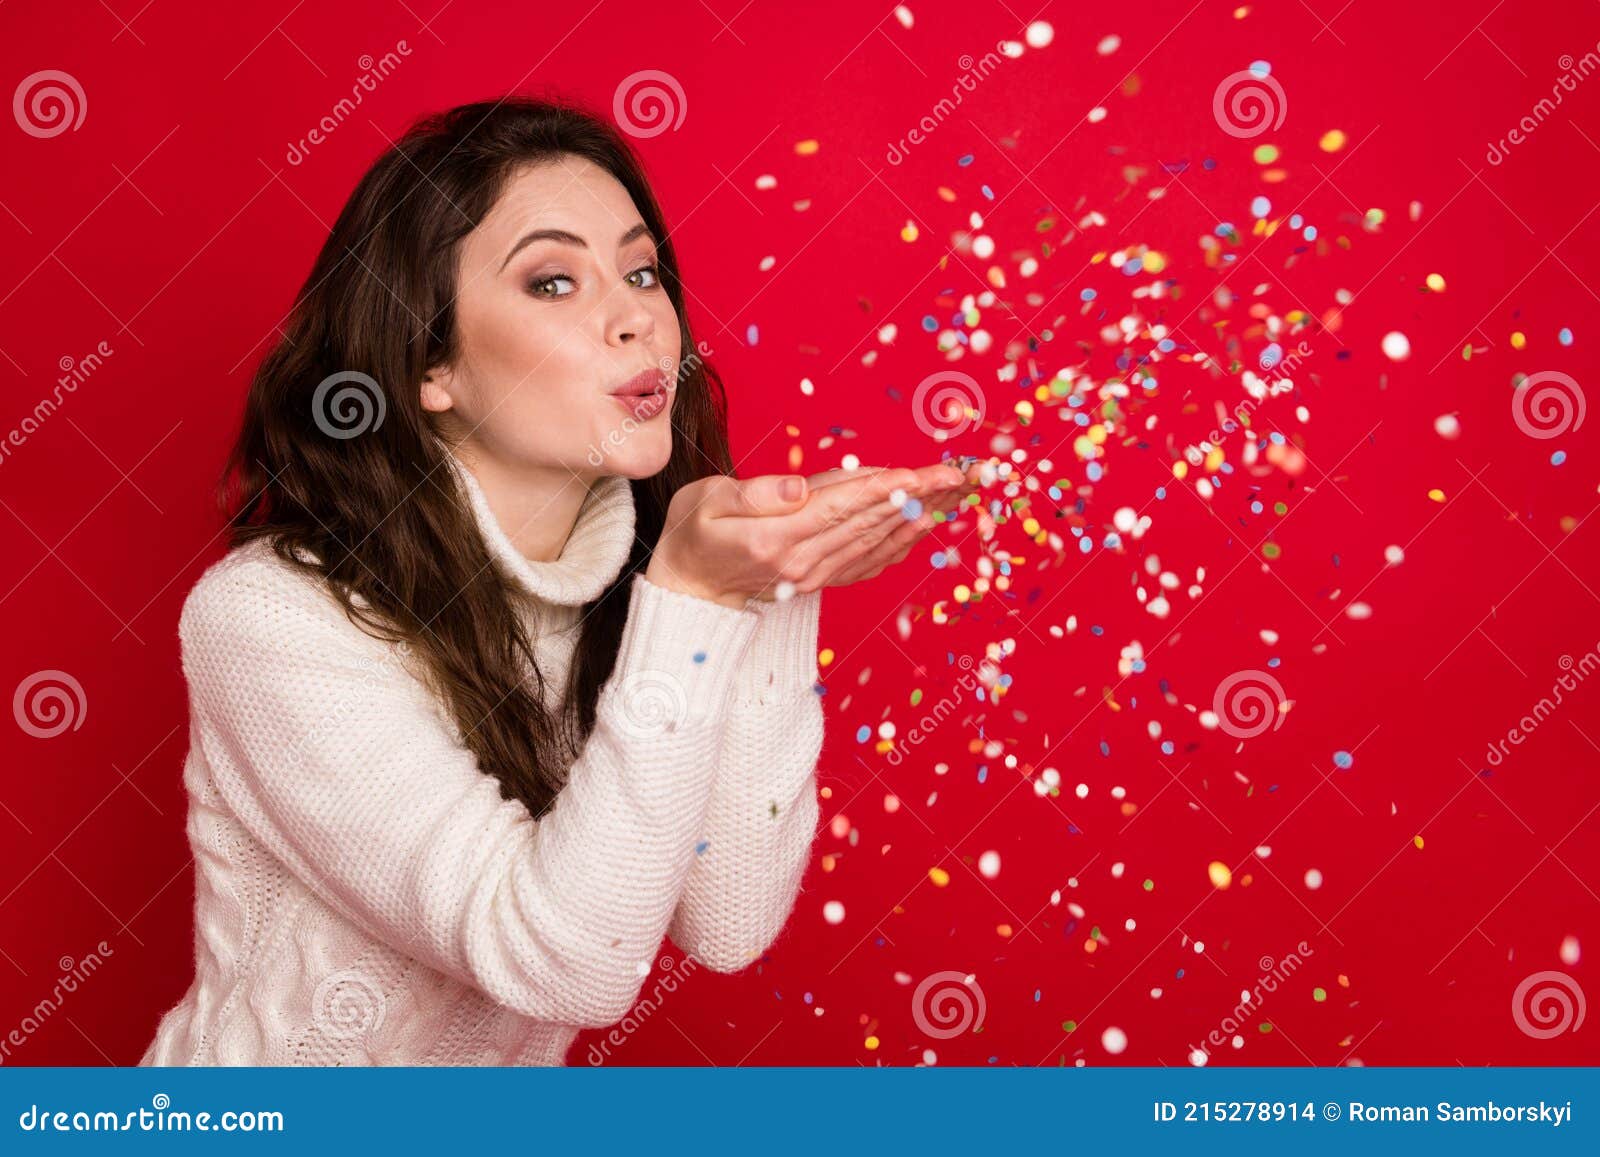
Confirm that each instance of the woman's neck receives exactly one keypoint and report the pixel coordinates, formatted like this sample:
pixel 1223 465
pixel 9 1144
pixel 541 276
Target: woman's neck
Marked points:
pixel 537 508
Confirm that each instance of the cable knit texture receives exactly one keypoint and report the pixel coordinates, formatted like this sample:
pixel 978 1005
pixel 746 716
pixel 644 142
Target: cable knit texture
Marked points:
pixel 363 895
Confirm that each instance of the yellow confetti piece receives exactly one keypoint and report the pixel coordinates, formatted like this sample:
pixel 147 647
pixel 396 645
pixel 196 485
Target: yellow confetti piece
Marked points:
pixel 1436 494
pixel 908 234
pixel 1418 841
pixel 1003 929
pixel 1221 875
pixel 1266 154
pixel 1332 141
pixel 807 148
pixel 1519 340
pixel 824 656
pixel 1435 283
pixel 871 1042
pixel 939 876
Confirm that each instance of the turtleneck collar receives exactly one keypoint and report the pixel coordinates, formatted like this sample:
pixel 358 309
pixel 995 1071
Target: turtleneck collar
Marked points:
pixel 593 556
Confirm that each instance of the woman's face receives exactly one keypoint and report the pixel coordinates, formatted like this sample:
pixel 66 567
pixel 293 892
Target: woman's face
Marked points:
pixel 548 326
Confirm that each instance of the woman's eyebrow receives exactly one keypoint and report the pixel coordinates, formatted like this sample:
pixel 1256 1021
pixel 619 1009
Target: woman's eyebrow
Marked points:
pixel 566 238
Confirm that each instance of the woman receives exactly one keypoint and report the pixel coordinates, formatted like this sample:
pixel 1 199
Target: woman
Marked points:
pixel 505 675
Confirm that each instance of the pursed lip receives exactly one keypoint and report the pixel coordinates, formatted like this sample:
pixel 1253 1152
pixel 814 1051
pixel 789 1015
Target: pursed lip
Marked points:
pixel 651 381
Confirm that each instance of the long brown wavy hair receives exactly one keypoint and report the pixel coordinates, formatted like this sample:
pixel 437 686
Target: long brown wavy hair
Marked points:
pixel 380 511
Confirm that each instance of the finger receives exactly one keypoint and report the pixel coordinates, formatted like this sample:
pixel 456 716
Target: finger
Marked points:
pixel 845 499
pixel 765 494
pixel 893 549
pixel 831 561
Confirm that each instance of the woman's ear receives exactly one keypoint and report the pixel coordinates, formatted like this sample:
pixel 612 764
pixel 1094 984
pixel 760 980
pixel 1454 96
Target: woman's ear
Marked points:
pixel 435 390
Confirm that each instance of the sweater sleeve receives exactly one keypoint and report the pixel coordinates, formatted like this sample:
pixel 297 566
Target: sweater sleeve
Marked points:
pixel 762 820
pixel 348 770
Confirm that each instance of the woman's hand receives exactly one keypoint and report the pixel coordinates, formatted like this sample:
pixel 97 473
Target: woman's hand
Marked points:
pixel 891 540
pixel 729 539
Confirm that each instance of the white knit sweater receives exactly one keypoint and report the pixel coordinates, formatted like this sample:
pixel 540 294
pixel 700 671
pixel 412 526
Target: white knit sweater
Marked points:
pixel 363 895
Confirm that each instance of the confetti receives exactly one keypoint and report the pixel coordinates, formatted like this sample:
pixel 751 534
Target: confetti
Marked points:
pixel 1396 346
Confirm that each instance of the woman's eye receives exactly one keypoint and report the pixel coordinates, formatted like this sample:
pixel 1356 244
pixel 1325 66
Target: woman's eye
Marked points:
pixel 650 271
pixel 540 287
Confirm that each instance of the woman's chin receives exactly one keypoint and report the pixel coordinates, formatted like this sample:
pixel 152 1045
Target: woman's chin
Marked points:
pixel 641 455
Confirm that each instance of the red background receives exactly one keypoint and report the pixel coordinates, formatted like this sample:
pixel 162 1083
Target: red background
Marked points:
pixel 171 226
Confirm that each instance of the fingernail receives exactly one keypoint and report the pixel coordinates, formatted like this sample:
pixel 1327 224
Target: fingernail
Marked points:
pixel 792 488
